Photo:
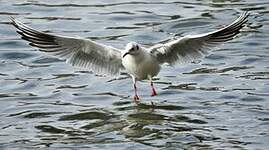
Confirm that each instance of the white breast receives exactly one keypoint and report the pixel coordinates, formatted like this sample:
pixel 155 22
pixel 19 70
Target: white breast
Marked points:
pixel 141 66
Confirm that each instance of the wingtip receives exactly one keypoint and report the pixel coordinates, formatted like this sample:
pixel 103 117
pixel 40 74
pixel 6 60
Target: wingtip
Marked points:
pixel 245 14
pixel 243 18
pixel 12 19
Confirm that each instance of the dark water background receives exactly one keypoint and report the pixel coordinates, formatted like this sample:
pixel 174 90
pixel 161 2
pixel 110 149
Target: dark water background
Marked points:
pixel 219 103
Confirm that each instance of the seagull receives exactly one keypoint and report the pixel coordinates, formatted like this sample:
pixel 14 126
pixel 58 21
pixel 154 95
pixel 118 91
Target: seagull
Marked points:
pixel 139 62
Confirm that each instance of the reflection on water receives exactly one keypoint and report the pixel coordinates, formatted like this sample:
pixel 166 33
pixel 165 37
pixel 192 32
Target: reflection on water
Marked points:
pixel 220 102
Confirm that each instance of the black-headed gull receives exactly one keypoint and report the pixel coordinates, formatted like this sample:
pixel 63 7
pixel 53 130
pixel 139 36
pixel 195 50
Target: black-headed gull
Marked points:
pixel 140 62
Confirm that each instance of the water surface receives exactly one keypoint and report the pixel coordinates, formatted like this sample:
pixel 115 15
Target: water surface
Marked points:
pixel 220 102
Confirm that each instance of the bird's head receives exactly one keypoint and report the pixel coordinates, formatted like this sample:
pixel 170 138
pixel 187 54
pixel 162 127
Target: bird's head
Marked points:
pixel 131 48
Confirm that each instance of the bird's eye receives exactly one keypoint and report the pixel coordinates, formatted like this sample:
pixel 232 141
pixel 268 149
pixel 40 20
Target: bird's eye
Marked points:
pixel 137 47
pixel 132 49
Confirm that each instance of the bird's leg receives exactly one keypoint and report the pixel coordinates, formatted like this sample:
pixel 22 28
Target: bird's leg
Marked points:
pixel 136 98
pixel 153 93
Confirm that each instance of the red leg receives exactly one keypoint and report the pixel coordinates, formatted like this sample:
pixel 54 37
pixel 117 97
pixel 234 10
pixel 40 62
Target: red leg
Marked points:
pixel 136 98
pixel 153 93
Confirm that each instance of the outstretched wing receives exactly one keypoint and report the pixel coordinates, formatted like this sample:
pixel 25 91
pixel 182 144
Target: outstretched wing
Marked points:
pixel 191 47
pixel 76 51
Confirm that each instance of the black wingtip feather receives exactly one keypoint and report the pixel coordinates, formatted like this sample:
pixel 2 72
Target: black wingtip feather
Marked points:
pixel 230 31
pixel 36 38
pixel 44 47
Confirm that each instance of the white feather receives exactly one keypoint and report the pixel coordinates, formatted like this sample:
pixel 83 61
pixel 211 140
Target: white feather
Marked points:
pixel 191 47
pixel 76 51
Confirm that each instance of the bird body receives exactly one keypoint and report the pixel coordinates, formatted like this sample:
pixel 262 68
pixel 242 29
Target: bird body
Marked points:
pixel 141 63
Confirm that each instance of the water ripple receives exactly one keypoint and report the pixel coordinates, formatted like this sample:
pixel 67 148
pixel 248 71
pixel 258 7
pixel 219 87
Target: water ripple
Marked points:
pixel 54 18
pixel 219 102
